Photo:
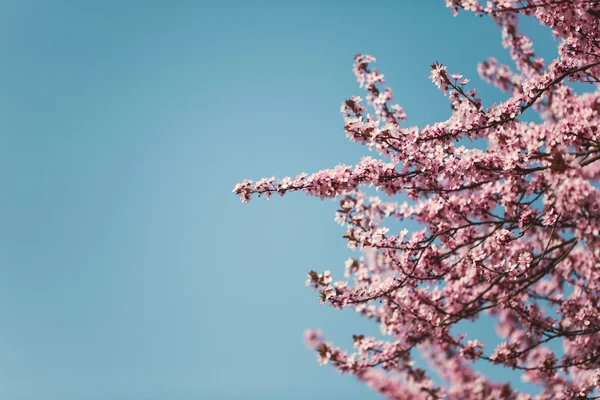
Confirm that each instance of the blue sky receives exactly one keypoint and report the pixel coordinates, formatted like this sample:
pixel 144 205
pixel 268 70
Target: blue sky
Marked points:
pixel 128 269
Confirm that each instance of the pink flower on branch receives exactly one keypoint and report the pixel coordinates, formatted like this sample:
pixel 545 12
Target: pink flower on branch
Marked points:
pixel 512 230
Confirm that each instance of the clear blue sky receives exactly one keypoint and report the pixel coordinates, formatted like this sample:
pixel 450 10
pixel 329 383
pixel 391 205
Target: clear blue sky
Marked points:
pixel 128 269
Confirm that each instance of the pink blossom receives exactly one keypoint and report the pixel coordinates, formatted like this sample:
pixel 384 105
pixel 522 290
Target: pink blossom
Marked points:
pixel 512 230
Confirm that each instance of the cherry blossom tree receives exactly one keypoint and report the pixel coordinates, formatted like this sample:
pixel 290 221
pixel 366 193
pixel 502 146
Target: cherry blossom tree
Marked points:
pixel 511 230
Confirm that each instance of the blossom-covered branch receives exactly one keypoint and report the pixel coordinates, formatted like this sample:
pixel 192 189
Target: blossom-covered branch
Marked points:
pixel 512 230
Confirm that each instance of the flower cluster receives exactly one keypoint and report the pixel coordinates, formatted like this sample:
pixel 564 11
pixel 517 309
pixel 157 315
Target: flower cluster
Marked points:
pixel 512 230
